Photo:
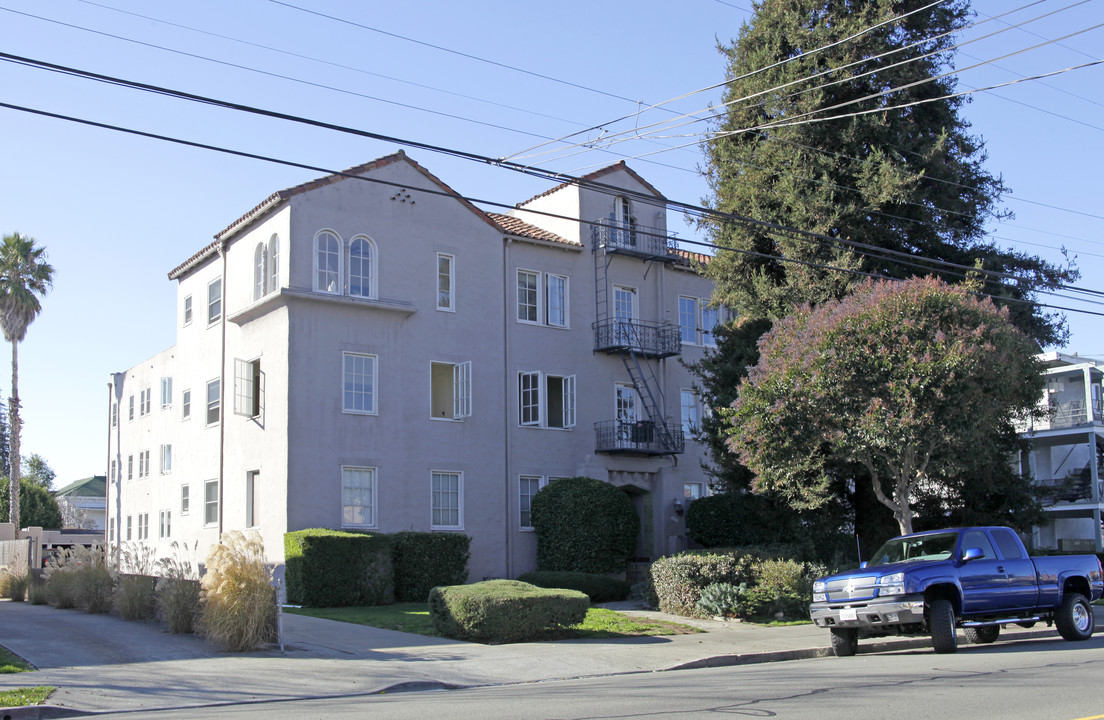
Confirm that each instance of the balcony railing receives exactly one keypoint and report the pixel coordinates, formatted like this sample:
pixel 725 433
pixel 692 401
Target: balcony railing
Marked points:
pixel 642 437
pixel 634 239
pixel 647 339
pixel 1063 415
pixel 1075 488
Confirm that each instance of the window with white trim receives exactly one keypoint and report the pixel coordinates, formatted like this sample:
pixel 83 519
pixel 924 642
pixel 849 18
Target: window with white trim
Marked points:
pixel 362 270
pixel 130 523
pixel 445 297
pixel 164 524
pixel 166 392
pixel 211 502
pixel 358 497
pixel 252 498
pixel 214 301
pixel 114 414
pixel 693 491
pixel 144 463
pixel 691 413
pixel 546 400
pixel 214 401
pixel 145 401
pixel 185 404
pixel 273 257
pixel 143 526
pixel 114 471
pixel 447 504
pixel 697 321
pixel 130 467
pixel 266 268
pixel 260 273
pixel 327 262
pixel 624 221
pixel 710 316
pixel 185 499
pixel 528 487
pixel 358 386
pixel 528 296
pixel 130 410
pixel 247 387
pixel 450 390
pixel 556 300
pixel 187 310
pixel 543 298
pixel 166 459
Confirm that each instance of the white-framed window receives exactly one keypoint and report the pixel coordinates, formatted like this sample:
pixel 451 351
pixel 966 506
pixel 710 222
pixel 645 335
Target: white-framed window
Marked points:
pixel 130 523
pixel 166 392
pixel 143 526
pixel 214 301
pixel 247 387
pixel 252 498
pixel 447 504
pixel 624 313
pixel 358 497
pixel 691 412
pixel 273 264
pixel 446 299
pixel 358 384
pixel 327 262
pixel 164 524
pixel 130 408
pixel 144 464
pixel 450 390
pixel 114 470
pixel 114 414
pixel 185 499
pixel 710 316
pixel 186 404
pixel 130 467
pixel 266 268
pixel 211 502
pixel 260 273
pixel 528 296
pixel 528 486
pixel 111 530
pixel 543 298
pixel 693 491
pixel 627 415
pixel 166 459
pixel 187 310
pixel 145 401
pixel 214 401
pixel 697 321
pixel 546 400
pixel 624 222
pixel 362 267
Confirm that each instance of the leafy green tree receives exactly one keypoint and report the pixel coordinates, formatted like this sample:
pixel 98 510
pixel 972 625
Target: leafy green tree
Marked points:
pixel 917 381
pixel 584 525
pixel 25 276
pixel 38 471
pixel 857 143
pixel 38 507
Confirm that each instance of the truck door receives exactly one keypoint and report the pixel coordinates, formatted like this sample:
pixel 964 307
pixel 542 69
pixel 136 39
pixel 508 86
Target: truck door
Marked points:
pixel 984 584
pixel 1023 581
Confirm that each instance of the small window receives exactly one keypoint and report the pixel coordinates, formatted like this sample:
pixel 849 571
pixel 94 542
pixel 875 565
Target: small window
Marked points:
pixel 359 383
pixel 361 268
pixel 130 523
pixel 214 402
pixel 130 411
pixel 187 309
pixel 211 502
pixel 247 387
pixel 143 526
pixel 451 390
pixel 259 271
pixel 529 398
pixel 274 264
pixel 252 497
pixel 358 497
pixel 214 301
pixel 145 401
pixel 185 404
pixel 114 414
pixel 144 463
pixel 327 262
pixel 164 524
pixel 557 300
pixel 114 469
pixel 692 491
pixel 528 309
pixel 166 459
pixel 185 500
pixel 130 467
pixel 166 392
pixel 691 416
pixel 445 298
pixel 530 486
pixel 448 501
pixel 535 390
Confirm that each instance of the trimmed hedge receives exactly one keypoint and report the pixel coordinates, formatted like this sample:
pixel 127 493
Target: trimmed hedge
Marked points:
pixel 679 580
pixel 423 560
pixel 731 518
pixel 599 588
pixel 330 568
pixel 584 525
pixel 503 611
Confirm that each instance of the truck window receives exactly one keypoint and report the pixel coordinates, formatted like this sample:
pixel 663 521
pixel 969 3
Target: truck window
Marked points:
pixel 923 547
pixel 1009 545
pixel 978 539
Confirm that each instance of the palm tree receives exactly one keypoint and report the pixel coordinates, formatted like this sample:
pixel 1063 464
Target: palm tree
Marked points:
pixel 24 277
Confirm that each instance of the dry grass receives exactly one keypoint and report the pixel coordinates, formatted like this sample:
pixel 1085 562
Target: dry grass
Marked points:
pixel 239 601
pixel 178 590
pixel 14 584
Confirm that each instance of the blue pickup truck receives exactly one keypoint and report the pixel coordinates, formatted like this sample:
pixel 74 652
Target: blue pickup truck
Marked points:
pixel 976 578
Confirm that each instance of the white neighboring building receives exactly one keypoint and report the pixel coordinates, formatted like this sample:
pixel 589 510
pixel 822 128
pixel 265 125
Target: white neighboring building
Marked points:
pixel 384 355
pixel 1065 456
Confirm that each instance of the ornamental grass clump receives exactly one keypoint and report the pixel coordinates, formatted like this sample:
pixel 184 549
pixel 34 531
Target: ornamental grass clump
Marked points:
pixel 134 597
pixel 14 584
pixel 239 601
pixel 178 590
pixel 60 579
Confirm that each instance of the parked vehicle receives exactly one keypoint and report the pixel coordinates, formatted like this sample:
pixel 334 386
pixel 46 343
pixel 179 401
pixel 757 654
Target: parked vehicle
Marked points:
pixel 976 578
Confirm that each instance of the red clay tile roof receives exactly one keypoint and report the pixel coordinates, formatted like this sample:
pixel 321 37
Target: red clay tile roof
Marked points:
pixel 594 176
pixel 515 226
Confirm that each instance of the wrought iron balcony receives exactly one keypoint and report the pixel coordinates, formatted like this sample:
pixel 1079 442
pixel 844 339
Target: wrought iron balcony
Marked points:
pixel 642 437
pixel 633 239
pixel 654 340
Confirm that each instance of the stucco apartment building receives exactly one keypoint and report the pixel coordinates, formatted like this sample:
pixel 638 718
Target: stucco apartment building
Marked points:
pixel 371 351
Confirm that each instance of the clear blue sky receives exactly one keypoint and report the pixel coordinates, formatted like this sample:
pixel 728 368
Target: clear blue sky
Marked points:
pixel 117 212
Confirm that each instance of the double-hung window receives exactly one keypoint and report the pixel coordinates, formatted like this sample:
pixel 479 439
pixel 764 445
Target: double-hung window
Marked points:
pixel 185 499
pixel 446 298
pixel 166 459
pixel 130 467
pixel 247 387
pixel 447 509
pixel 164 522
pixel 130 407
pixel 546 400
pixel 211 502
pixel 543 298
pixel 697 321
pixel 358 497
pixel 143 463
pixel 166 392
pixel 143 526
pixel 358 387
pixel 187 310
pixel 114 414
pixel 145 400
pixel 691 413
pixel 185 404
pixel 451 390
pixel 252 498
pixel 214 301
pixel 214 401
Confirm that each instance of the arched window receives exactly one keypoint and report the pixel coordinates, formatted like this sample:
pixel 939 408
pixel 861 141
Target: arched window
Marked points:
pixel 327 262
pixel 273 264
pixel 361 268
pixel 259 272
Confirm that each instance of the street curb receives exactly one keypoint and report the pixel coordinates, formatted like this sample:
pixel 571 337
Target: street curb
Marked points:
pixel 40 712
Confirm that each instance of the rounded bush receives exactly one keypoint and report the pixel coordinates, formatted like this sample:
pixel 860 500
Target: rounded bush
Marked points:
pixel 599 588
pixel 584 525
pixel 503 611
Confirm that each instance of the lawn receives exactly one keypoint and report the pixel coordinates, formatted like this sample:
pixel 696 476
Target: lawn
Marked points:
pixel 12 663
pixel 600 623
pixel 25 696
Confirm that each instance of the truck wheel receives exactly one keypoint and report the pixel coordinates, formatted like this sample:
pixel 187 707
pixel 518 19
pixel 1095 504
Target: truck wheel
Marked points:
pixel 982 635
pixel 1075 617
pixel 941 623
pixel 845 641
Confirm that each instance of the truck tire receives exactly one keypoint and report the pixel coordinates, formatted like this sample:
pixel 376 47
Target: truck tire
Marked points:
pixel 845 641
pixel 1075 617
pixel 982 635
pixel 941 624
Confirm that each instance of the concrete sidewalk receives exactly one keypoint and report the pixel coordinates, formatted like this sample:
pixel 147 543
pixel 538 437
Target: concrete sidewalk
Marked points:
pixel 103 663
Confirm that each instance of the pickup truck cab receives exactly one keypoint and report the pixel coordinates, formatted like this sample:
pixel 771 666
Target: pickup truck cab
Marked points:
pixel 976 578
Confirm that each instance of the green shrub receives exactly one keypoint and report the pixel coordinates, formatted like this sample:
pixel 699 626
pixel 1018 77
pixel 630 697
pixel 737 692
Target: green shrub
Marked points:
pixel 732 518
pixel 239 602
pixel 584 525
pixel 503 611
pixel 723 600
pixel 644 593
pixel 331 568
pixel 599 588
pixel 14 584
pixel 177 591
pixel 679 580
pixel 95 580
pixel 422 561
pixel 134 596
pixel 783 587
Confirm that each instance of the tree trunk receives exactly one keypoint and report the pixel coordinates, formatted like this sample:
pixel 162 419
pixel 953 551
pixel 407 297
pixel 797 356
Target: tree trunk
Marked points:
pixel 13 441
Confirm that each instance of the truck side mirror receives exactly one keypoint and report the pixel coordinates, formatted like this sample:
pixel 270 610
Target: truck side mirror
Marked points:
pixel 973 554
